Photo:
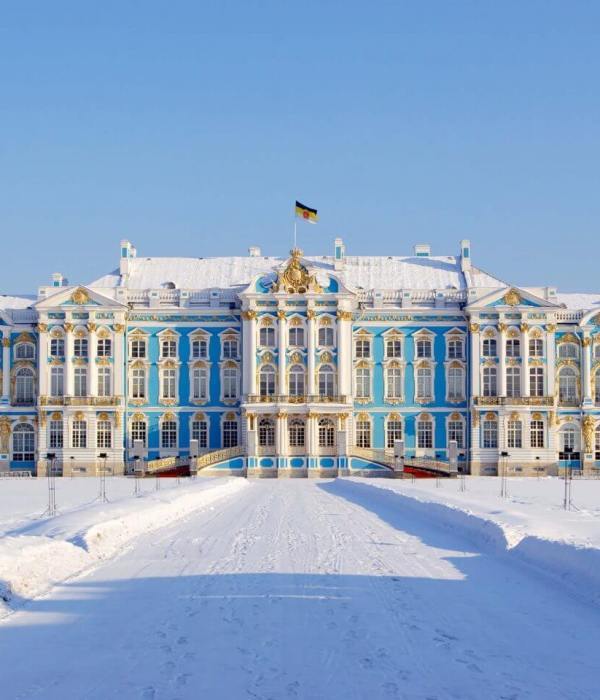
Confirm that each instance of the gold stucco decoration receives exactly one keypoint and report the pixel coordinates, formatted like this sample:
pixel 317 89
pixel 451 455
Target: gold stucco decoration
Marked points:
pixel 295 278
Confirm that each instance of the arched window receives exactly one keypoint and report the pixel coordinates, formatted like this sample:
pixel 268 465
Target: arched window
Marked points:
pixel 139 432
pixel 230 433
pixel 104 434
pixel 567 386
pixel 393 432
pixel 424 388
pixel 199 383
pixel 24 391
pixel 363 382
pixel 489 347
pixel 515 434
pixel 597 387
pixel 456 382
pixel 326 433
pixel 569 443
pixel 200 433
pixel 363 433
pixel 79 433
pixel 23 443
pixel 296 380
pixel 456 431
pixel 490 381
pixel 326 336
pixel 568 351
pixel 296 432
pixel 393 383
pixel 597 351
pixel 490 433
pixel 168 435
pixel 266 433
pixel 326 381
pixel 513 381
pixel 24 351
pixel 267 380
pixel 104 381
pixel 138 383
pixel 425 433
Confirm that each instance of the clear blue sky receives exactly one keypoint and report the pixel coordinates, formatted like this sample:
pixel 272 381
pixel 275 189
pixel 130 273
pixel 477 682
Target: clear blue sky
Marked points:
pixel 191 127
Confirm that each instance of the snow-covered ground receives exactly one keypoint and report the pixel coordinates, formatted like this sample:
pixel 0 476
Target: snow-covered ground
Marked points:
pixel 313 589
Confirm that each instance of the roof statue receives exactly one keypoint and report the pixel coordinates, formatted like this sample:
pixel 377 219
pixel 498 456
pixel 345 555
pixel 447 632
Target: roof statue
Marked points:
pixel 295 278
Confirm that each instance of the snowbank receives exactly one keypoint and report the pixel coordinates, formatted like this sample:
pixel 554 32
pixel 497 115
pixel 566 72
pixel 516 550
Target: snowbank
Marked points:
pixel 563 544
pixel 38 555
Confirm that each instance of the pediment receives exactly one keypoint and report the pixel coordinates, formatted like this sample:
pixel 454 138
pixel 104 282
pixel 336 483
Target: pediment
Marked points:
pixel 512 297
pixel 77 298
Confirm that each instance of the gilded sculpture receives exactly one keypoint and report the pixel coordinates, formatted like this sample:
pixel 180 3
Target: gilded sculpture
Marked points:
pixel 588 427
pixel 296 279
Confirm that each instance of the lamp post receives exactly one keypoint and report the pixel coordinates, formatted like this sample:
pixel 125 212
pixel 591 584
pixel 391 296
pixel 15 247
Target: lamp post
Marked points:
pixel 503 479
pixel 51 510
pixel 567 498
pixel 102 495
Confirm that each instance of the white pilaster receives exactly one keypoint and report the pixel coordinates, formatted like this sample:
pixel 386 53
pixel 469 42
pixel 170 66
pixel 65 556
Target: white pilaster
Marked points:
pixel 550 359
pixel 69 378
pixel 281 434
pixel 475 364
pixel 587 368
pixel 42 360
pixel 249 358
pixel 6 365
pixel 524 359
pixel 92 369
pixel 118 362
pixel 502 360
pixel 344 330
pixel 282 347
pixel 311 347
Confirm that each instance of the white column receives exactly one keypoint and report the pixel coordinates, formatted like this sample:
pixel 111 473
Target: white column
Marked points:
pixel 118 361
pixel 587 368
pixel 6 365
pixel 69 379
pixel 249 359
pixel 475 364
pixel 282 360
pixel 42 359
pixel 281 434
pixel 502 360
pixel 311 348
pixel 310 435
pixel 92 369
pixel 550 359
pixel 524 359
pixel 344 330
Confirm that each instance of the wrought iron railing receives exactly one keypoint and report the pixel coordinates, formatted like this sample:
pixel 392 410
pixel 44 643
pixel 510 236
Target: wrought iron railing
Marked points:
pixel 80 400
pixel 210 458
pixel 514 400
pixel 290 398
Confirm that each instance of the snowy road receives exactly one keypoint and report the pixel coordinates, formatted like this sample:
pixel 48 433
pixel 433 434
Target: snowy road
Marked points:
pixel 302 589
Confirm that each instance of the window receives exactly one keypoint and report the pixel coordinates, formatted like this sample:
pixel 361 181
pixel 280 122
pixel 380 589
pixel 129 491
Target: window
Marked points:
pixel 168 435
pixel 326 381
pixel 266 433
pixel 23 443
pixel 597 387
pixel 138 383
pixel 103 434
pixel 393 383
pixel 57 347
pixel 513 381
pixel 267 380
pixel 326 337
pixel 597 445
pixel 456 383
pixel 456 431
pixel 199 383
pixel 569 442
pixel 362 348
pixel 138 349
pixel 536 347
pixel 455 349
pixel 363 433
pixel 424 383
pixel 104 381
pixel 393 348
pixel 56 434
pixel 80 381
pixel 168 384
pixel 489 347
pixel 326 433
pixel 567 386
pixel 568 350
pixel 490 381
pixel 296 380
pixel 168 349
pixel 490 434
pixel 536 433
pixel 424 347
pixel 199 349
pixel 24 351
pixel 80 347
pixel 296 432
pixel 513 347
pixel 138 432
pixel 200 433
pixel 230 383
pixel 515 434
pixel 597 351
pixel 230 433
pixel 104 347
pixel 363 383
pixel 424 434
pixel 230 349
pixel 57 381
pixel 24 389
pixel 393 432
pixel 296 337
pixel 267 337
pixel 536 381
pixel 79 433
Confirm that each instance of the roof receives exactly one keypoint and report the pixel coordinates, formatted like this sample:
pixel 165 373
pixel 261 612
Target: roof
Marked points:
pixel 580 302
pixel 9 302
pixel 359 272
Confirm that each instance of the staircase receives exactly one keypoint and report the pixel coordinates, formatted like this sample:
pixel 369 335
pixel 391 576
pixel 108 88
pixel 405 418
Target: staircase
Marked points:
pixel 419 467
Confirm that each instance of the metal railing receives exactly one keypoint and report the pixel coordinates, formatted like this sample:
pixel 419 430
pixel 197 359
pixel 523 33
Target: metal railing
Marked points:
pixel 513 400
pixel 210 458
pixel 15 473
pixel 386 458
pixel 80 400
pixel 289 398
pixel 157 465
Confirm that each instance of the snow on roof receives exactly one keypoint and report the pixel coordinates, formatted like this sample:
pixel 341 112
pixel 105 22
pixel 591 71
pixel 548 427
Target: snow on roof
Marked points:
pixel 9 302
pixel 579 302
pixel 366 272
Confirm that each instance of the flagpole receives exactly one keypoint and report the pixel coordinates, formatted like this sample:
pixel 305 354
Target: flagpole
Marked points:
pixel 295 225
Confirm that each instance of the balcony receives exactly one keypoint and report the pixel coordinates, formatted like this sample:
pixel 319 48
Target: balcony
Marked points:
pixel 514 400
pixel 80 400
pixel 287 398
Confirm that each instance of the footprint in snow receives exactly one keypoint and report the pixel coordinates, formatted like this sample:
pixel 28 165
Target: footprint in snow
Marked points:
pixel 182 640
pixel 390 689
pixel 148 693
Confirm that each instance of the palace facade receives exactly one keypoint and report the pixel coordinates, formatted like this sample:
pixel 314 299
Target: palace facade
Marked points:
pixel 300 366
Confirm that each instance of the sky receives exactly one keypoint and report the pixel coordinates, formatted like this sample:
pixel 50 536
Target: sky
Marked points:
pixel 190 128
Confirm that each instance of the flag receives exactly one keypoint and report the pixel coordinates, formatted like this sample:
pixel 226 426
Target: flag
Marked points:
pixel 306 213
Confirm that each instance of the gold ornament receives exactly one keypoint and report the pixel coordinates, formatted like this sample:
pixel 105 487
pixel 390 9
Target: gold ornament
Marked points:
pixel 512 298
pixel 296 279
pixel 80 296
pixel 588 427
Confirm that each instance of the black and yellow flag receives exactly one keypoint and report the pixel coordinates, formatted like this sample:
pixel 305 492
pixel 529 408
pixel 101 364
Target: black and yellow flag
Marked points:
pixel 306 213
